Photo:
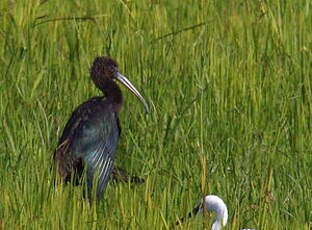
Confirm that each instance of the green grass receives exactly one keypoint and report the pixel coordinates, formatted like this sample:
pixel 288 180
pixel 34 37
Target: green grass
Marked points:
pixel 230 86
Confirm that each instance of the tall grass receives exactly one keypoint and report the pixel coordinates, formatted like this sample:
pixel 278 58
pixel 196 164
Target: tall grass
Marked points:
pixel 229 83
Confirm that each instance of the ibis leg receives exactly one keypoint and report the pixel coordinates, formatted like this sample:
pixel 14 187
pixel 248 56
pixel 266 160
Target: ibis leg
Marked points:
pixel 121 175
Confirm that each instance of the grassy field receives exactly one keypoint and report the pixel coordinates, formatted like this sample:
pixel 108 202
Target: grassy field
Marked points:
pixel 230 87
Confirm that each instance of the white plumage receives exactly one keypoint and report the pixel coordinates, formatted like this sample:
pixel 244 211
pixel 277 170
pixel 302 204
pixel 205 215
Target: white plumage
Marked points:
pixel 215 204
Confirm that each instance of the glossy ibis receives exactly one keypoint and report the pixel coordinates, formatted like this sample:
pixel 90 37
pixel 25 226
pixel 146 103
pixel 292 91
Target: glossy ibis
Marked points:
pixel 90 137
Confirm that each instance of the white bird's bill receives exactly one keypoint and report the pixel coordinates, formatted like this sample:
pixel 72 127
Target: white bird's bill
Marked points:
pixel 131 87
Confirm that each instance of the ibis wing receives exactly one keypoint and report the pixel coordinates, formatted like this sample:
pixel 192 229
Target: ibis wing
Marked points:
pixel 65 159
pixel 89 141
pixel 66 163
pixel 100 159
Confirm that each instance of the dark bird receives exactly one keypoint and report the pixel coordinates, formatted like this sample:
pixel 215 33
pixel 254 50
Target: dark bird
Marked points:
pixel 90 137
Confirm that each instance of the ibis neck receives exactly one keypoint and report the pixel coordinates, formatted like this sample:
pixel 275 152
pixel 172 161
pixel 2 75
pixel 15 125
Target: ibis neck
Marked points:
pixel 112 93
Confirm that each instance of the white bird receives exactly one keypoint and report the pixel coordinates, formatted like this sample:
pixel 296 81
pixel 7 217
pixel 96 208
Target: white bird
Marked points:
pixel 211 203
pixel 215 204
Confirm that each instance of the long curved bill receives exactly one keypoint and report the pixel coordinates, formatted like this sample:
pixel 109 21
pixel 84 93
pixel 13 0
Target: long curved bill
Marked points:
pixel 129 85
